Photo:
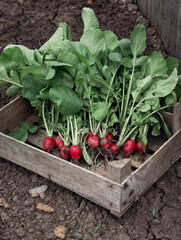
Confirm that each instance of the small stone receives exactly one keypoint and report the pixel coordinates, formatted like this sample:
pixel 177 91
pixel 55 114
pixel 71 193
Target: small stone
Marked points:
pixel 2 202
pixel 45 208
pixel 35 192
pixel 42 195
pixel 90 2
pixel 6 205
pixel 60 232
pixel 132 7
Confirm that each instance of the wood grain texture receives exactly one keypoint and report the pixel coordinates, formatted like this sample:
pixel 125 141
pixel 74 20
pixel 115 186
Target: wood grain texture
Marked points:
pixel 14 113
pixel 96 188
pixel 145 176
pixel 119 170
pixel 176 117
pixel 165 15
pixel 168 117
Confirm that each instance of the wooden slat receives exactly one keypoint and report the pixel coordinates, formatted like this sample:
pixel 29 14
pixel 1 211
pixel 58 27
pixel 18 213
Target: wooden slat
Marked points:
pixel 168 117
pixel 14 113
pixel 165 15
pixel 142 5
pixel 96 188
pixel 174 11
pixel 119 170
pixel 156 142
pixel 176 117
pixel 138 160
pixel 144 177
pixel 164 26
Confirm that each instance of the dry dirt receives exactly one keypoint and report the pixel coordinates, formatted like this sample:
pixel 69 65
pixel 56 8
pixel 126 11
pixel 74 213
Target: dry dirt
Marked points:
pixel 156 215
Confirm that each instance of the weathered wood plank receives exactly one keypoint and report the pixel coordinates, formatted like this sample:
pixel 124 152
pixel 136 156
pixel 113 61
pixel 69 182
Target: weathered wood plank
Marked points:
pixel 14 113
pixel 168 117
pixel 164 26
pixel 165 15
pixel 119 170
pixel 176 117
pixel 96 188
pixel 144 177
pixel 142 5
pixel 174 11
pixel 155 143
pixel 138 160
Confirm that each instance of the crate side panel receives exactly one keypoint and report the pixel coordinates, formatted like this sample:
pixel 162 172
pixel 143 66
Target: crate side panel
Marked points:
pixel 144 177
pixel 14 113
pixel 88 184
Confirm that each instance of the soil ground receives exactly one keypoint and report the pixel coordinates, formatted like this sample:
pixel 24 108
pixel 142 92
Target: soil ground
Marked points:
pixel 156 215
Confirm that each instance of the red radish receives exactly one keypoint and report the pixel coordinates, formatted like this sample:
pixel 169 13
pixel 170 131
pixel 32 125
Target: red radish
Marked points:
pixel 59 142
pixel 110 137
pixel 140 148
pixel 65 152
pixel 105 143
pixel 89 135
pixel 115 149
pixel 129 147
pixel 93 141
pixel 76 152
pixel 49 144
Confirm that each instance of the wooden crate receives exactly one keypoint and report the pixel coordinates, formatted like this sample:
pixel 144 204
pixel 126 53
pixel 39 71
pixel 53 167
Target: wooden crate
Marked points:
pixel 115 187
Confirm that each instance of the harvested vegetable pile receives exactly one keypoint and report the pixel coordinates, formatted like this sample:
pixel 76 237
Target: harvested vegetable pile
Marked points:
pixel 97 94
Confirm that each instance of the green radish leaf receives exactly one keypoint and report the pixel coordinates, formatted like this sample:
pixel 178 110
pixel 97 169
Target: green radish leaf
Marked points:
pixel 87 156
pixel 31 86
pixel 144 107
pixel 127 62
pixel 38 71
pixel 4 78
pixel 27 53
pixel 97 81
pixel 12 90
pixel 156 65
pixel 166 86
pixel 51 63
pixel 165 127
pixel 171 64
pixel 44 94
pixel 20 134
pixel 114 119
pixel 66 99
pixel 94 40
pixel 144 141
pixel 89 19
pixel 115 57
pixel 100 110
pixel 138 40
pixel 38 56
pixel 171 98
pixel 110 39
pixel 50 74
pixel 61 79
pixel 178 86
pixel 54 42
pixel 140 61
pixel 106 72
pixel 12 59
pixel 124 45
pixel 156 129
pixel 29 127
pixel 66 31
pixel 33 129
